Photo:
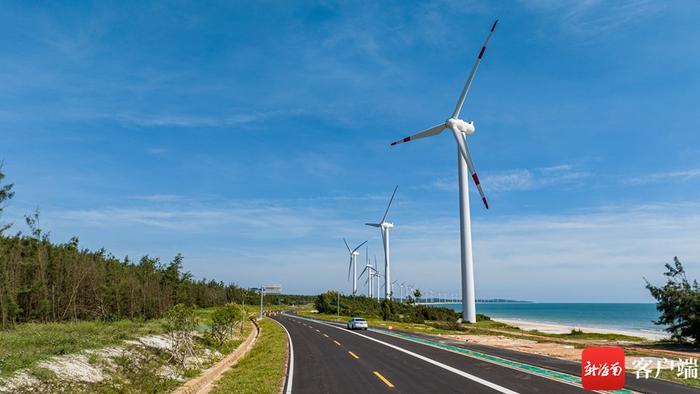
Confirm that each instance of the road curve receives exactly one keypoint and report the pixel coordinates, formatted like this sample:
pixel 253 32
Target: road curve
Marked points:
pixel 329 359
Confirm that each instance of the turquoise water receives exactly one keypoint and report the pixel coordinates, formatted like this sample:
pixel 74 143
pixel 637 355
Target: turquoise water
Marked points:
pixel 616 316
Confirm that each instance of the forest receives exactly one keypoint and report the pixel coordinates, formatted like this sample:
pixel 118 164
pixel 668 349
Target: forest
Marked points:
pixel 43 281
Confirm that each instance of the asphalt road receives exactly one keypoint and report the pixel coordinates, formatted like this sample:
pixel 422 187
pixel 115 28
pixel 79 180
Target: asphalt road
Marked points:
pixel 648 386
pixel 329 359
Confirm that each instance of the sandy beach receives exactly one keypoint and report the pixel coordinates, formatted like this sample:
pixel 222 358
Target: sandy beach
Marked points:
pixel 565 329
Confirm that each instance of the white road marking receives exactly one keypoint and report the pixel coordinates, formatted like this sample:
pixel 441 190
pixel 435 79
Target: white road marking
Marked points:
pixel 290 371
pixel 428 360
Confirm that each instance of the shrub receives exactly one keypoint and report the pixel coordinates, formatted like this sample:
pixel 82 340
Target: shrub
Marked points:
pixel 180 322
pixel 225 319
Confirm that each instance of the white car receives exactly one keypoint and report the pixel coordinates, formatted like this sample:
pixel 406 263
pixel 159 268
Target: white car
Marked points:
pixel 357 323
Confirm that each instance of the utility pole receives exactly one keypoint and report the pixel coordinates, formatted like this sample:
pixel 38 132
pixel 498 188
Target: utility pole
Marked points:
pixel 262 291
pixel 338 309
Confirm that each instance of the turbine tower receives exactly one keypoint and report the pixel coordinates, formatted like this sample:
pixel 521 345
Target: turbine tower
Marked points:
pixel 353 264
pixel 460 130
pixel 384 227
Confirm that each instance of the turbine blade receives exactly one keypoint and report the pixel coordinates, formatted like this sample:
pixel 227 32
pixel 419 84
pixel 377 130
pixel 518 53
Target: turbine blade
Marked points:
pixel 435 130
pixel 465 90
pixel 346 245
pixel 389 206
pixel 373 224
pixel 358 247
pixel 475 178
pixel 362 273
pixel 464 150
pixel 349 267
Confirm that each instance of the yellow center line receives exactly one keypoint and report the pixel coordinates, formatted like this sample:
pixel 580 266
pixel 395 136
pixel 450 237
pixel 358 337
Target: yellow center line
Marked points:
pixel 354 355
pixel 317 330
pixel 383 379
pixel 337 343
pixel 325 335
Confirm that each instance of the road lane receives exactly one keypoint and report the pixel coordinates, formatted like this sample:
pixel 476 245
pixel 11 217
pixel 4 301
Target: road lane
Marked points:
pixel 321 366
pixel 405 372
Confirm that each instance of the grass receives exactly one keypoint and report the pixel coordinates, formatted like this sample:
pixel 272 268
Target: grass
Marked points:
pixel 263 369
pixel 31 342
pixel 673 377
pixel 24 346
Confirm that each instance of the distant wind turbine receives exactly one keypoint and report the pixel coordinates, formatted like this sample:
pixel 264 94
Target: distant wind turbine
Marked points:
pixel 460 130
pixel 353 264
pixel 377 275
pixel 384 227
pixel 369 269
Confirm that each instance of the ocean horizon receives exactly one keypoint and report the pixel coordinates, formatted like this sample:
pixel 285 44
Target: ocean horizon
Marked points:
pixel 623 316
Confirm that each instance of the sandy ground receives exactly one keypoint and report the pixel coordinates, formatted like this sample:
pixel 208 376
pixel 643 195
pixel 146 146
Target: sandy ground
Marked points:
pixel 565 329
pixel 549 349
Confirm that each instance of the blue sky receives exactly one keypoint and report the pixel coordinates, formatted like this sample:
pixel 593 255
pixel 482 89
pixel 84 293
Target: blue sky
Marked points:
pixel 253 137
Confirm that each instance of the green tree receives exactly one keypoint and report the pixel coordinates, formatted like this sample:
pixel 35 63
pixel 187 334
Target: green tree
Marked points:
pixel 679 303
pixel 417 294
pixel 6 193
pixel 224 321
pixel 180 323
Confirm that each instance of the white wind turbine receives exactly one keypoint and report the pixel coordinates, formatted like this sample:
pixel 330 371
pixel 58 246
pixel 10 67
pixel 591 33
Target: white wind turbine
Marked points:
pixel 369 269
pixel 353 264
pixel 377 275
pixel 460 130
pixel 384 227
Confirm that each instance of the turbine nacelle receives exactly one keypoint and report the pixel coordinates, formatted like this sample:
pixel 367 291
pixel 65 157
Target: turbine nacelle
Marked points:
pixel 460 125
pixel 386 225
pixel 355 253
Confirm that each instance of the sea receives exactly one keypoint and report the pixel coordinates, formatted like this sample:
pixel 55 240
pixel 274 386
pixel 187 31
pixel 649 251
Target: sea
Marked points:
pixel 595 315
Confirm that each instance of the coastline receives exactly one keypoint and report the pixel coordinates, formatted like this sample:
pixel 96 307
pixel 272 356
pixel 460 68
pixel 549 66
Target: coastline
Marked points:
pixel 551 328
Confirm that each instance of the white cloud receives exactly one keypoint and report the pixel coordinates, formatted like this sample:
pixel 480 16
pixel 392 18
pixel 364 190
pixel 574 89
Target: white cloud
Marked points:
pixel 181 120
pixel 671 176
pixel 590 18
pixel 594 255
pixel 158 197
pixel 522 179
pixel 599 254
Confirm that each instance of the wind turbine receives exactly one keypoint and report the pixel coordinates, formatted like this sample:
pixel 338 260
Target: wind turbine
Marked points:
pixel 377 275
pixel 402 290
pixel 460 130
pixel 392 286
pixel 370 273
pixel 353 264
pixel 384 227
